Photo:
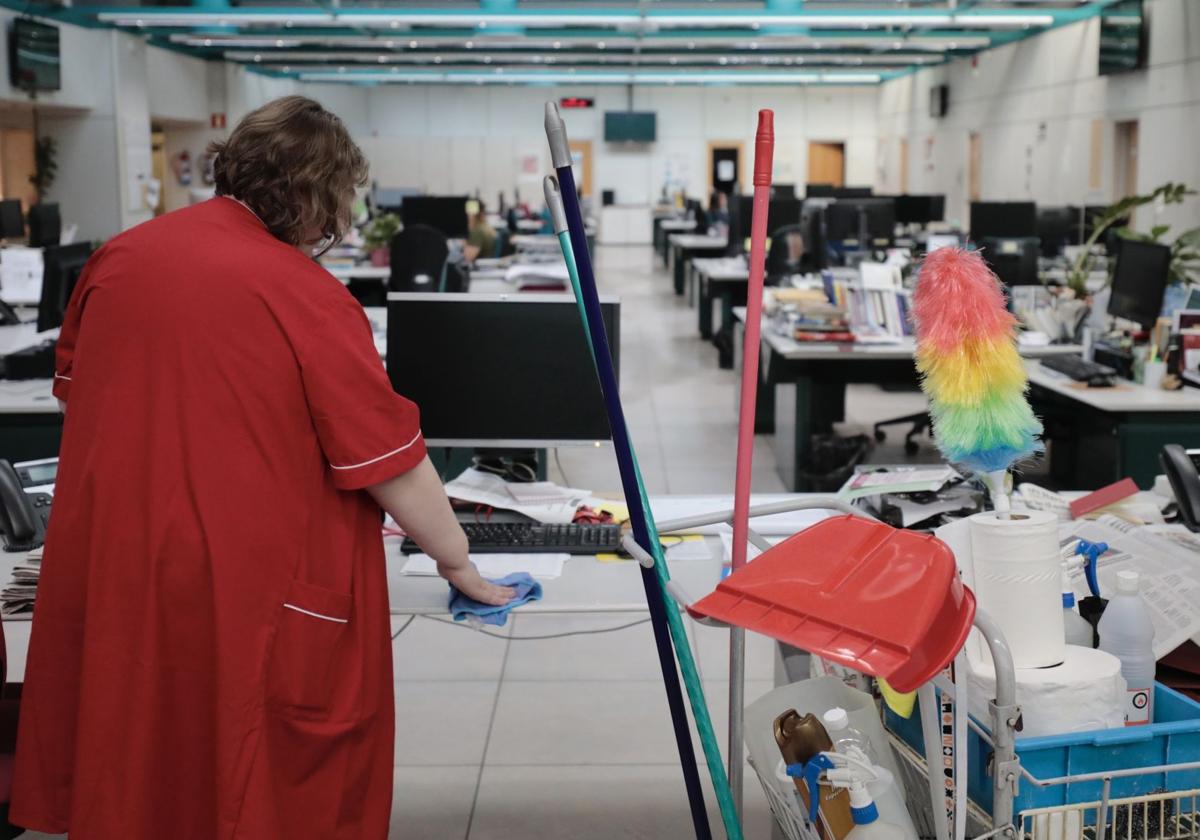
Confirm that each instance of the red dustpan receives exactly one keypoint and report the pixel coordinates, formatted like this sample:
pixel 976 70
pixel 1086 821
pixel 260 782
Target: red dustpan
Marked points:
pixel 880 600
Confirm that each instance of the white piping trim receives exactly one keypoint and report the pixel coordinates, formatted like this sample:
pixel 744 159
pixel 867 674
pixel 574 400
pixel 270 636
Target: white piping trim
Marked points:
pixel 60 376
pixel 380 458
pixel 316 615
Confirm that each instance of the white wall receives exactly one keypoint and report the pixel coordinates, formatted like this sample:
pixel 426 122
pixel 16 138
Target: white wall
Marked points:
pixel 1033 104
pixel 457 139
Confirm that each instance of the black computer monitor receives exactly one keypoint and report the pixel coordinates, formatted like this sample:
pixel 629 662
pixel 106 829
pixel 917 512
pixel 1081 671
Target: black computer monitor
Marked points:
pixel 12 224
pixel 61 267
pixel 45 225
pixel 499 371
pixel 1057 227
pixel 1003 219
pixel 879 219
pixel 447 213
pixel 818 190
pixel 843 222
pixel 1139 282
pixel 783 191
pixel 1013 259
pixel 920 209
pixel 852 192
pixel 781 211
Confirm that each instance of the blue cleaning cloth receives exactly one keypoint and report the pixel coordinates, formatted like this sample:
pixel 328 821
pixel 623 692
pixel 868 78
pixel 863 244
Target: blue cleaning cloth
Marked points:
pixel 526 589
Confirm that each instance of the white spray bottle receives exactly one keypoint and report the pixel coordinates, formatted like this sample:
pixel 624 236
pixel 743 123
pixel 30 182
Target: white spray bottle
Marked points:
pixel 854 772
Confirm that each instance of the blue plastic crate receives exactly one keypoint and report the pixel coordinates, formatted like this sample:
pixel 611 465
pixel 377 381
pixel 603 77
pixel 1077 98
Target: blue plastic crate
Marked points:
pixel 1173 738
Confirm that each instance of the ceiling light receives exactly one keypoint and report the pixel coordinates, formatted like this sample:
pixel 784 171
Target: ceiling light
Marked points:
pixel 469 45
pixel 258 58
pixel 754 45
pixel 483 24
pixel 412 45
pixel 279 42
pixel 558 45
pixel 487 59
pixel 600 45
pixel 723 60
pixel 437 59
pixel 395 24
pixel 208 42
pixel 381 59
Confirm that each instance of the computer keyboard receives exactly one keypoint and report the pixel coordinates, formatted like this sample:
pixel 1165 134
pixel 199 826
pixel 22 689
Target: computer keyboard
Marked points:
pixel 1076 367
pixel 534 538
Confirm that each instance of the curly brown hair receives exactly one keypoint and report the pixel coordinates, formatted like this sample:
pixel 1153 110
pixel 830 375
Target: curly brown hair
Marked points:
pixel 293 163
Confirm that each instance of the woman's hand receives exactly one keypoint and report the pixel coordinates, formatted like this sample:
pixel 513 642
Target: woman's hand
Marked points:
pixel 466 580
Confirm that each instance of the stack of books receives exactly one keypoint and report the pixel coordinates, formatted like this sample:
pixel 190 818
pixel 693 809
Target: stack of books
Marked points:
pixel 808 315
pixel 876 302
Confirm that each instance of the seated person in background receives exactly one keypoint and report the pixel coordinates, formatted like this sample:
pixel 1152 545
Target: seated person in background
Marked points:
pixel 481 237
pixel 718 209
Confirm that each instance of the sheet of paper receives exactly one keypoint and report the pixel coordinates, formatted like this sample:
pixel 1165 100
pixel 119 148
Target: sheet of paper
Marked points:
pixel 685 550
pixel 543 492
pixel 864 484
pixel 492 566
pixel 485 488
pixel 1169 572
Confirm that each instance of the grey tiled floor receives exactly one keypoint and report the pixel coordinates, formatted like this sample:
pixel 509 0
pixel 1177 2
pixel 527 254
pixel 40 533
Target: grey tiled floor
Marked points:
pixel 571 737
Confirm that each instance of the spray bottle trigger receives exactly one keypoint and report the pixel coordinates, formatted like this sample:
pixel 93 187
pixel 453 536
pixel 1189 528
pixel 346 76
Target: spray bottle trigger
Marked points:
pixel 812 777
pixel 1091 553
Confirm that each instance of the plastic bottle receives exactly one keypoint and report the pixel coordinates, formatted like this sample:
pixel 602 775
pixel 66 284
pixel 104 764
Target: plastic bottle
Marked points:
pixel 800 739
pixel 867 825
pixel 842 734
pixel 883 789
pixel 1127 632
pixel 1076 629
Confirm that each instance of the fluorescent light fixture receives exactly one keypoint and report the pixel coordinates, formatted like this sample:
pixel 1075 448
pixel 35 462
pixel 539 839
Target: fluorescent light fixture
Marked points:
pixel 729 78
pixel 998 19
pixel 822 20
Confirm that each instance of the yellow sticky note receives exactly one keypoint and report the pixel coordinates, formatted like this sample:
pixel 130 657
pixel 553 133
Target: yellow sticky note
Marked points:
pixel 609 558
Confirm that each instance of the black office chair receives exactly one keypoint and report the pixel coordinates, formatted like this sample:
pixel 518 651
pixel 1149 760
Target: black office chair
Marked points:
pixel 788 254
pixel 419 255
pixel 920 424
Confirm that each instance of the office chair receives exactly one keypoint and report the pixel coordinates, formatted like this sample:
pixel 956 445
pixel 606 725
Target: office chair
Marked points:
pixel 419 255
pixel 920 424
pixel 787 255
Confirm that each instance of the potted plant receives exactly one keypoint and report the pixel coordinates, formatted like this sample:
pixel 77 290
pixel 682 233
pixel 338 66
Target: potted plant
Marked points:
pixel 1077 274
pixel 377 237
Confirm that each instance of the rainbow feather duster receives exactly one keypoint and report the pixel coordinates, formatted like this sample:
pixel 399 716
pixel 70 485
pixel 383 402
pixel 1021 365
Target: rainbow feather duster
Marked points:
pixel 970 369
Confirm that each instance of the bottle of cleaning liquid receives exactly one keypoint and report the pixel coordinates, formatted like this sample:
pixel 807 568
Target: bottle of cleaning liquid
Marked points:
pixel 800 739
pixel 1127 632
pixel 1077 629
pixel 843 735
pixel 854 773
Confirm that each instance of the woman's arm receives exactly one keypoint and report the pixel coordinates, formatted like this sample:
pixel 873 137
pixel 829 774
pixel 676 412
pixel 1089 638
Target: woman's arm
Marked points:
pixel 417 501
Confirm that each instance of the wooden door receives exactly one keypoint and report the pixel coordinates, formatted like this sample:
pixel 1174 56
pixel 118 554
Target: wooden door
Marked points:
pixel 581 163
pixel 904 166
pixel 17 165
pixel 827 163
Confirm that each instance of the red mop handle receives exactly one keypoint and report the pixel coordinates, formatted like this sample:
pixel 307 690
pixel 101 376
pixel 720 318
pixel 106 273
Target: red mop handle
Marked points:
pixel 764 151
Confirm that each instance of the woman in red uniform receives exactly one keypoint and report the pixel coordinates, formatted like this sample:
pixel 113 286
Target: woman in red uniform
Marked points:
pixel 211 654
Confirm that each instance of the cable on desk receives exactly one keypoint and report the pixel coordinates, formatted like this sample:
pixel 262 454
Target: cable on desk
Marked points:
pixel 538 638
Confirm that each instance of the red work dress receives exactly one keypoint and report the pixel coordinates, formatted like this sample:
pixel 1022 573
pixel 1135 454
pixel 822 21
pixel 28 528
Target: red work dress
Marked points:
pixel 210 654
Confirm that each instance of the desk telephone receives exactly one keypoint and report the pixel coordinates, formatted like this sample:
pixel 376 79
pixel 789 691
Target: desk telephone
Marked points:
pixel 1182 467
pixel 26 491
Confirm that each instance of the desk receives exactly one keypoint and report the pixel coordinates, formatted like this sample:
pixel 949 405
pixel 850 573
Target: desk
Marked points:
pixel 366 271
pixel 725 279
pixel 1099 435
pixel 664 226
pixel 684 246
pixel 803 387
pixel 587 585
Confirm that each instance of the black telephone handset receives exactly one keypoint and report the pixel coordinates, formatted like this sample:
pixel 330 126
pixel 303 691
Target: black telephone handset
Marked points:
pixel 24 528
pixel 1183 471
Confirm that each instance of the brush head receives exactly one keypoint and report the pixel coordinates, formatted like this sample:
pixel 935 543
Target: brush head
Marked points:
pixel 556 135
pixel 554 202
pixel 967 356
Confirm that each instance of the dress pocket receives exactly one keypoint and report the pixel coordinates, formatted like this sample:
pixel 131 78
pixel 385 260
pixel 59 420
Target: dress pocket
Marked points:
pixel 312 624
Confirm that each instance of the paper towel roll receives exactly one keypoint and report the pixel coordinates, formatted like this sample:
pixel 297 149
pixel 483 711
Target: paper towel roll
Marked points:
pixel 1085 692
pixel 1018 582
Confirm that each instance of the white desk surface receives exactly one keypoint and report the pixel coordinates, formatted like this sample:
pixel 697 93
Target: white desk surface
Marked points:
pixel 677 225
pixel 697 240
pixel 820 351
pixel 587 585
pixel 346 273
pixel 718 269
pixel 1126 397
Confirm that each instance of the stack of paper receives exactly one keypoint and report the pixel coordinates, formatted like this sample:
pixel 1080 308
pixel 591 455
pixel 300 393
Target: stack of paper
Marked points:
pixel 18 596
pixel 484 488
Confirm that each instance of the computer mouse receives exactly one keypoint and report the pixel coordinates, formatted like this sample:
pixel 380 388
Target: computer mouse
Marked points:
pixel 1101 380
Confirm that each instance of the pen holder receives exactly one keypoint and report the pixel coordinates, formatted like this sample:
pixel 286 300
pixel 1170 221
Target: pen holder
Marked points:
pixel 1153 373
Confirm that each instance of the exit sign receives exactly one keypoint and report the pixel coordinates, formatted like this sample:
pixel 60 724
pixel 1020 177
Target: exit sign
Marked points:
pixel 576 102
